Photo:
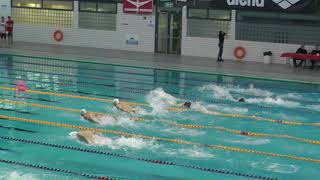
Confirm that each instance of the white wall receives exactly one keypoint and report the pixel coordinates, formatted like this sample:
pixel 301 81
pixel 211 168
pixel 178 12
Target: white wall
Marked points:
pixel 127 24
pixel 5 8
pixel 208 47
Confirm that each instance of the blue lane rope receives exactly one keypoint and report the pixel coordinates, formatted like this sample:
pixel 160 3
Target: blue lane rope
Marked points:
pixel 211 170
pixel 134 73
pixel 90 176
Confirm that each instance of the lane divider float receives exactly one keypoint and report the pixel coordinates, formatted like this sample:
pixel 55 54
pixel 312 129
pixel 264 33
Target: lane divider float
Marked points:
pixel 90 176
pixel 189 126
pixel 154 161
pixel 176 141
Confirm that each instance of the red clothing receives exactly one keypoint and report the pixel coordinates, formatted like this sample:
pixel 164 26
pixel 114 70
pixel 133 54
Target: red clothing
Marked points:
pixel 9 26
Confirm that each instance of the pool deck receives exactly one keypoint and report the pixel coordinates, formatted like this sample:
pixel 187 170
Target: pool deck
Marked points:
pixel 163 61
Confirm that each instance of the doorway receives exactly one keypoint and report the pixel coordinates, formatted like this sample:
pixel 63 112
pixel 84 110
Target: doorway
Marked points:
pixel 168 32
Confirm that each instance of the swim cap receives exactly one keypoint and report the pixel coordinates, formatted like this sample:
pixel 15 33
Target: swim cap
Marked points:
pixel 116 101
pixel 187 104
pixel 241 100
pixel 83 111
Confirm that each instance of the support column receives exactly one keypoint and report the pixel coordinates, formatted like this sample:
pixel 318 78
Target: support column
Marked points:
pixel 76 14
pixel 232 33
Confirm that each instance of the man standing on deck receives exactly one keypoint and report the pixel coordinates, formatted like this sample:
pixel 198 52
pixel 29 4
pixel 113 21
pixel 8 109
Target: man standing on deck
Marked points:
pixel 221 42
pixel 3 29
pixel 9 29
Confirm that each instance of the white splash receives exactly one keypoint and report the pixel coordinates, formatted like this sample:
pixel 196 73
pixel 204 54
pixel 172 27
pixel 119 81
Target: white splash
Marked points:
pixel 14 175
pixel 159 100
pixel 314 107
pixel 276 167
pixel 294 96
pixel 116 121
pixel 252 91
pixel 273 101
pixel 251 141
pixel 185 132
pixel 191 153
pixel 227 109
pixel 120 143
pixel 219 92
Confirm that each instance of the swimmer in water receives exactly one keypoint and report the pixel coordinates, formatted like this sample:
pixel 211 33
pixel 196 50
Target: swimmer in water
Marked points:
pixel 88 136
pixel 91 116
pixel 125 107
pixel 242 100
pixel 185 105
pixel 99 117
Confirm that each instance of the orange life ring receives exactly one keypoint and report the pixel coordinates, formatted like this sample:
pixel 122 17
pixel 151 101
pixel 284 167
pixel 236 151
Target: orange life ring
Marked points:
pixel 239 52
pixel 58 35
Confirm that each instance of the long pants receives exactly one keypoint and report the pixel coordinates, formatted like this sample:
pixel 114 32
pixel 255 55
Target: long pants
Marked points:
pixel 295 62
pixel 220 52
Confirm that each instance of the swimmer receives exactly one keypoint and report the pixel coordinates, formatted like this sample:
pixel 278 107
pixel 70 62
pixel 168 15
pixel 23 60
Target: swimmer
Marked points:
pixel 87 136
pixel 91 116
pixel 186 105
pixel 99 117
pixel 242 100
pixel 125 107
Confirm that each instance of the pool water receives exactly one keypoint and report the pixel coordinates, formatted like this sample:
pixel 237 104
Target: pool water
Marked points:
pixel 167 143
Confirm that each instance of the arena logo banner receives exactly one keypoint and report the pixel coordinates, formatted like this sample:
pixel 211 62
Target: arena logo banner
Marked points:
pixel 138 6
pixel 262 5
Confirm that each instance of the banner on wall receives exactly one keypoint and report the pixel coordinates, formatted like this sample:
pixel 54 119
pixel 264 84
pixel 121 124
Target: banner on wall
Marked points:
pixel 138 6
pixel 290 6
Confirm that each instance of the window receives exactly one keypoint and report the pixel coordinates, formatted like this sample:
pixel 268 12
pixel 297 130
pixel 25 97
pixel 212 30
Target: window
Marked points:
pixel 107 7
pixel 219 14
pixel 95 6
pixel 278 27
pixel 44 4
pixel 98 15
pixel 43 17
pixel 209 14
pixel 207 22
pixel 27 3
pixel 88 6
pixel 63 5
pixel 197 13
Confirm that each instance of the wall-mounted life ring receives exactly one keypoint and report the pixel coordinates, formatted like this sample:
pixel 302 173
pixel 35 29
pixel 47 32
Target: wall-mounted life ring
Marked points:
pixel 239 52
pixel 58 35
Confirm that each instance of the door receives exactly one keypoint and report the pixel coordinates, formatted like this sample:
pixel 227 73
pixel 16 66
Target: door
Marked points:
pixel 168 32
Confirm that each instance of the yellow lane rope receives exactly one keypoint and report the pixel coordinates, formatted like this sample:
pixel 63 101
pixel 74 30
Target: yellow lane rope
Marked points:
pixel 176 141
pixel 189 126
pixel 55 108
pixel 233 131
pixel 170 109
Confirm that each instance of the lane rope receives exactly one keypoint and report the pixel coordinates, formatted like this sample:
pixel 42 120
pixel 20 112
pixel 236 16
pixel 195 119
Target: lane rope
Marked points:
pixel 90 176
pixel 189 126
pixel 239 116
pixel 176 141
pixel 245 133
pixel 154 161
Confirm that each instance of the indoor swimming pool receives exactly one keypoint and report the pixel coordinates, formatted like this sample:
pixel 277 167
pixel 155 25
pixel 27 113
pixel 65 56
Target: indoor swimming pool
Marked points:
pixel 272 135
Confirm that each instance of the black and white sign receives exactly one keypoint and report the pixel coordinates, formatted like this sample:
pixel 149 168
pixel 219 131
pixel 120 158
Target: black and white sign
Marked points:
pixel 294 6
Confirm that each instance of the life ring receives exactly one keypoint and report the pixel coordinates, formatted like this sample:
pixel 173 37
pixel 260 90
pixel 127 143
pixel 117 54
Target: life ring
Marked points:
pixel 58 35
pixel 239 52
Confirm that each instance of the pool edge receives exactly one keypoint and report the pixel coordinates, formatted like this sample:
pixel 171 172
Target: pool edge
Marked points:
pixel 170 69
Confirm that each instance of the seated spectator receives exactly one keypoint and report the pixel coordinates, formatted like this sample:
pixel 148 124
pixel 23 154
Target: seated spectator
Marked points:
pixel 315 51
pixel 301 50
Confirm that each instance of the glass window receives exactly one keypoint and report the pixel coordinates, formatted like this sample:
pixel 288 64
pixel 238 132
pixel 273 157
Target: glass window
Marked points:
pixel 197 13
pixel 88 6
pixel 63 5
pixel 107 7
pixel 27 3
pixel 219 14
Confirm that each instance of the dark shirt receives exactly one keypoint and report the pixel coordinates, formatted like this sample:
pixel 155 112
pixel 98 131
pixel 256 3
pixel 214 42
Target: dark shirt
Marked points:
pixel 315 52
pixel 221 37
pixel 302 51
